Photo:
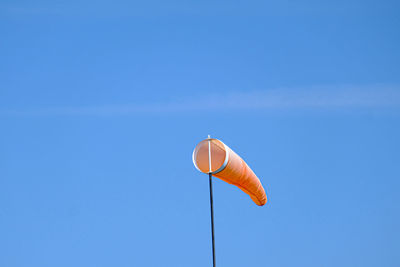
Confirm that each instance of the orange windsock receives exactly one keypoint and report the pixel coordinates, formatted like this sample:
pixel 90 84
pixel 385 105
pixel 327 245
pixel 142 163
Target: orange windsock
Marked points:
pixel 213 156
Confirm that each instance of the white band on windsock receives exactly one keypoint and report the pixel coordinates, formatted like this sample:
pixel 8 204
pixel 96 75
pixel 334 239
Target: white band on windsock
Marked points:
pixel 209 154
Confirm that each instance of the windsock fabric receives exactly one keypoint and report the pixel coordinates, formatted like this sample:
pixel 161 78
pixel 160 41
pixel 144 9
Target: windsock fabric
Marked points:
pixel 213 156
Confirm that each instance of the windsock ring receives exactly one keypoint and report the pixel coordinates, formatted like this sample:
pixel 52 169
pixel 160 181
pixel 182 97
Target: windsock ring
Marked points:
pixel 223 164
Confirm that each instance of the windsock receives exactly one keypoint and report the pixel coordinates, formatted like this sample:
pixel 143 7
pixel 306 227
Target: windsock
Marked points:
pixel 214 157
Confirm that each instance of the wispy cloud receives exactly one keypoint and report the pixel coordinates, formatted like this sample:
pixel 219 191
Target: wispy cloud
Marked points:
pixel 317 98
pixel 159 8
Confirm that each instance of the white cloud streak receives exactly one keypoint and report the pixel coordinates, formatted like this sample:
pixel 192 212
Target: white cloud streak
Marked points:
pixel 317 98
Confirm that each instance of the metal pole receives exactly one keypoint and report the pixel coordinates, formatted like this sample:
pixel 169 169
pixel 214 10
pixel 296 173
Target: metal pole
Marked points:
pixel 212 219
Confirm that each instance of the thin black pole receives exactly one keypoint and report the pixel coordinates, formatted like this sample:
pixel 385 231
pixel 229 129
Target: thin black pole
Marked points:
pixel 212 219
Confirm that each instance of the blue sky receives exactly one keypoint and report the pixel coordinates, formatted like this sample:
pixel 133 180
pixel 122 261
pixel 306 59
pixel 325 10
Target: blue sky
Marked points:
pixel 102 103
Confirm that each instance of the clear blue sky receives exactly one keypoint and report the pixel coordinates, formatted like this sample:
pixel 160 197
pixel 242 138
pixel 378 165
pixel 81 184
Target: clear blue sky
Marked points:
pixel 102 103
